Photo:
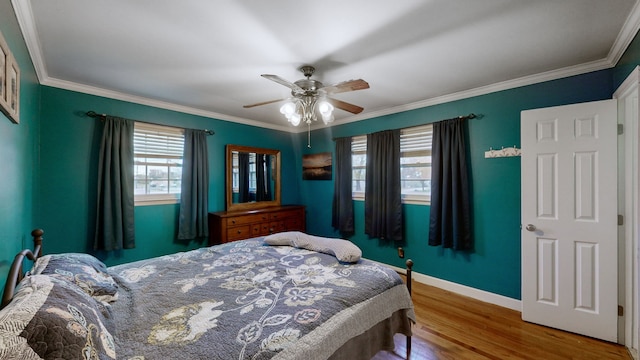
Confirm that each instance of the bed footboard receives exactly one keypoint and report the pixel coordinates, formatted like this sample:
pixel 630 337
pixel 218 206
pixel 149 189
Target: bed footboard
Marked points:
pixel 16 272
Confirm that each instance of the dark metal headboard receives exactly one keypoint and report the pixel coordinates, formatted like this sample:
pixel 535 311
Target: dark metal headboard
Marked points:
pixel 16 273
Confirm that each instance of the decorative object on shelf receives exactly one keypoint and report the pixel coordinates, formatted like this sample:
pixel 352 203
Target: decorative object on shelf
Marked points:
pixel 504 152
pixel 316 166
pixel 9 83
pixel 310 97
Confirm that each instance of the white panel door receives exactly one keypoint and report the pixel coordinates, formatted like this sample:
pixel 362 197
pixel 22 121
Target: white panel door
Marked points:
pixel 569 218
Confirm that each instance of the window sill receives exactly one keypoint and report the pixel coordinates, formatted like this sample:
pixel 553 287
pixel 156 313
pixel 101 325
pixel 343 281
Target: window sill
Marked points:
pixel 156 202
pixel 404 201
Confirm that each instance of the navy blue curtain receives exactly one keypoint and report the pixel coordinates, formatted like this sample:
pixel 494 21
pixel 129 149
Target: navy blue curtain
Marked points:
pixel 262 192
pixel 268 184
pixel 115 204
pixel 382 194
pixel 450 215
pixel 243 177
pixel 342 212
pixel 194 193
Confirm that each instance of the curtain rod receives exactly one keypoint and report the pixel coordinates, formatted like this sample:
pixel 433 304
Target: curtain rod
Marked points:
pixel 462 117
pixel 95 115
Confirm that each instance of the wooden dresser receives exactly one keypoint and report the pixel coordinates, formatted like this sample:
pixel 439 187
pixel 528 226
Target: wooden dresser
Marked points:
pixel 227 226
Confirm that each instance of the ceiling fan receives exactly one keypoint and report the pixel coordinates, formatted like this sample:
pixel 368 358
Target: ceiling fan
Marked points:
pixel 309 95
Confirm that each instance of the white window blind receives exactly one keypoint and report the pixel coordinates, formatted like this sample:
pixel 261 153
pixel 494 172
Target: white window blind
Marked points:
pixel 158 141
pixel 416 140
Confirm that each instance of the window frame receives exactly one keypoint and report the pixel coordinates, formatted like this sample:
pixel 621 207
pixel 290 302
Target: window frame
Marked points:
pixel 416 140
pixel 358 147
pixel 169 132
pixel 408 145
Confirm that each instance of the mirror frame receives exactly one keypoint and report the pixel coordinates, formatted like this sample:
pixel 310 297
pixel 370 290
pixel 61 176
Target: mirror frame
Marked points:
pixel 231 206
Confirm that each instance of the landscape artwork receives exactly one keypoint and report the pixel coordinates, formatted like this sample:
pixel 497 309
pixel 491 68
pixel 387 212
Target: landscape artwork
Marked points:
pixel 316 166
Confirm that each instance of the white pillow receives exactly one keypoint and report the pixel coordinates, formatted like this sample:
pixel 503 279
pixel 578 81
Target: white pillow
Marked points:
pixel 343 250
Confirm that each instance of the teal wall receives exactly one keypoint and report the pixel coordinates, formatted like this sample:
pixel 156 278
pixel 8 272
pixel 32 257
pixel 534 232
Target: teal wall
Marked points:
pixel 18 151
pixel 69 155
pixel 494 265
pixel 50 177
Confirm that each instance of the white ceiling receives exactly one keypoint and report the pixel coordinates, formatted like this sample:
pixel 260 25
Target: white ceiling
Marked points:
pixel 206 57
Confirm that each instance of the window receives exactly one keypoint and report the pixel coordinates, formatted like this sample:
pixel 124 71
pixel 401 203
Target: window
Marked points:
pixel 358 165
pixel 415 164
pixel 235 168
pixel 157 155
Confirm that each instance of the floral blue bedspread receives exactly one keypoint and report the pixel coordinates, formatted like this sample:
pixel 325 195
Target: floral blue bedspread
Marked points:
pixel 247 300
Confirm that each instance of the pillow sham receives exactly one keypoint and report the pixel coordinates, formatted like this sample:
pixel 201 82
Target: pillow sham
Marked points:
pixel 50 318
pixel 343 250
pixel 84 270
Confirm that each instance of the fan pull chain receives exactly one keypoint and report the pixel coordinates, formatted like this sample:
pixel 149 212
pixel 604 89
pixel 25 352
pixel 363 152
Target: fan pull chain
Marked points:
pixel 308 135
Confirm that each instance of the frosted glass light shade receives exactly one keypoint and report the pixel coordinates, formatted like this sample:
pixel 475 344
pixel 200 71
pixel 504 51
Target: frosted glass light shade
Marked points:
pixel 288 109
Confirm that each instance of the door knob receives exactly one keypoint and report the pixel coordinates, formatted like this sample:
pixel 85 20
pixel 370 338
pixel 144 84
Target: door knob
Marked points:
pixel 530 227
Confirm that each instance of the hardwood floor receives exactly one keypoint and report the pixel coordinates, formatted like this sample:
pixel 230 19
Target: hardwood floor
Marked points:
pixel 451 326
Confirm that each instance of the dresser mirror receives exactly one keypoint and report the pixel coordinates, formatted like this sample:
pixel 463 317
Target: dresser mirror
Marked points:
pixel 252 178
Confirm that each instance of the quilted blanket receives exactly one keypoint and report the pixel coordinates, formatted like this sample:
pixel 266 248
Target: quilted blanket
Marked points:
pixel 248 300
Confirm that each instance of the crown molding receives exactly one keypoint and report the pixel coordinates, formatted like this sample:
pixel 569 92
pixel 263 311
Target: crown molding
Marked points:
pixel 483 90
pixel 24 15
pixel 626 34
pixel 116 95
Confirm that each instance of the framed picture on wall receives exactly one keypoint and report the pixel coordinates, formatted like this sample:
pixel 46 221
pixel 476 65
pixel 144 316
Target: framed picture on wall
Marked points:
pixel 317 166
pixel 12 79
pixel 4 57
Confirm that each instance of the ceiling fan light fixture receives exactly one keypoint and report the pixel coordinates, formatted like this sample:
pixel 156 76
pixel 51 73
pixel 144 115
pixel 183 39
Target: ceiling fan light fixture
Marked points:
pixel 309 97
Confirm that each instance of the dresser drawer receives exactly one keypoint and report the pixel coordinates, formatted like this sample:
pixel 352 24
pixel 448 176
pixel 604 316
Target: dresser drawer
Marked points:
pixel 238 232
pixel 294 223
pixel 260 229
pixel 277 226
pixel 247 219
pixel 284 214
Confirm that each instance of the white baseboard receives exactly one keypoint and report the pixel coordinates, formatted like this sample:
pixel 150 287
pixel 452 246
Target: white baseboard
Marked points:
pixel 474 293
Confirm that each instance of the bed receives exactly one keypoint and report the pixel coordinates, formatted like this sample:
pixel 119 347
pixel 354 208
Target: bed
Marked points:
pixel 284 296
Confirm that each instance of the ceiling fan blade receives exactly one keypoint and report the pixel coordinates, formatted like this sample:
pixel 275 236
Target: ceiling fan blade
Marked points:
pixel 350 85
pixel 262 103
pixel 354 109
pixel 284 82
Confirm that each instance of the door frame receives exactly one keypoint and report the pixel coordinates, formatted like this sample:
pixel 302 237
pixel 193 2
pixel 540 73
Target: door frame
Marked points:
pixel 629 200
